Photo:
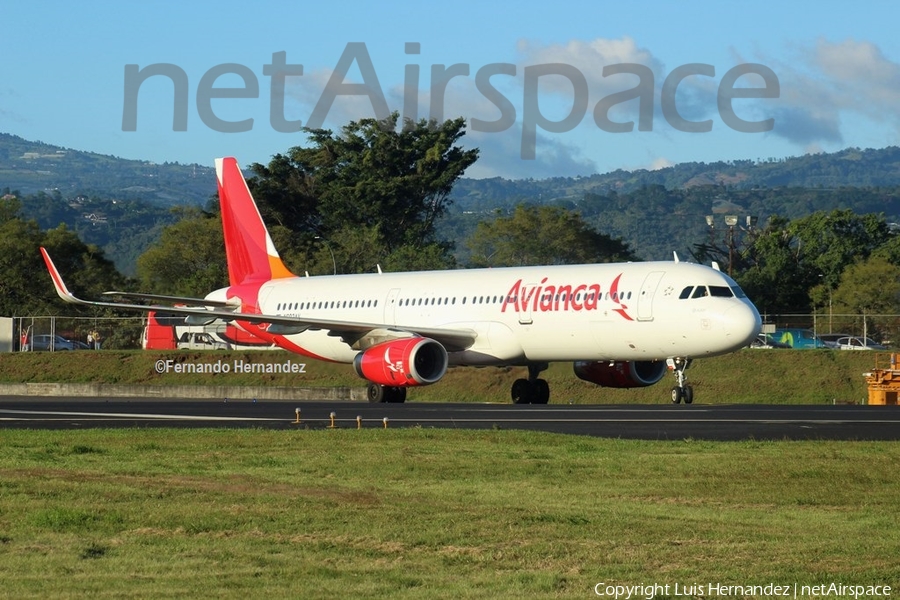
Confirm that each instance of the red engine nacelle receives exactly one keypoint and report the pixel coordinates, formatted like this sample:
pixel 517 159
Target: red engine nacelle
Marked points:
pixel 620 374
pixel 402 363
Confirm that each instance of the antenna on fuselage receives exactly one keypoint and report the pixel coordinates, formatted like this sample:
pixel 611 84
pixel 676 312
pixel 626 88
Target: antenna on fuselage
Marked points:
pixel 377 266
pixel 676 257
pixel 715 266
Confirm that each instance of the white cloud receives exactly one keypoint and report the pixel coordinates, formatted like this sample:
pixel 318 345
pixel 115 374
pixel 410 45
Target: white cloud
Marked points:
pixel 833 84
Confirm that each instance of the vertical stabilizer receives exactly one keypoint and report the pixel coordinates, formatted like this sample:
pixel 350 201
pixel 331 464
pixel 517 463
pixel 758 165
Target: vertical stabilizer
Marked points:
pixel 249 250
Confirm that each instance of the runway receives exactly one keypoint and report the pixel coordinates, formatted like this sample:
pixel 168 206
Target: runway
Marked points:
pixel 649 422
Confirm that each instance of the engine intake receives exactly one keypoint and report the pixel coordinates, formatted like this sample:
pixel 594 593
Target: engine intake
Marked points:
pixel 402 363
pixel 620 374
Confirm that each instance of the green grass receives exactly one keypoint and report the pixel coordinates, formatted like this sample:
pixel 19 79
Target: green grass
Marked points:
pixel 747 376
pixel 419 513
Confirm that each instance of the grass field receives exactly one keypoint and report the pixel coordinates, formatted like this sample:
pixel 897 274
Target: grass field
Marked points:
pixel 747 376
pixel 421 513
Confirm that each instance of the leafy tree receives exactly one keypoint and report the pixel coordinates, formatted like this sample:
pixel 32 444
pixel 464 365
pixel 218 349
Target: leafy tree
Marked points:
pixel 24 290
pixel 542 235
pixel 777 281
pixel 797 264
pixel 188 260
pixel 868 288
pixel 828 242
pixel 389 184
pixel 25 286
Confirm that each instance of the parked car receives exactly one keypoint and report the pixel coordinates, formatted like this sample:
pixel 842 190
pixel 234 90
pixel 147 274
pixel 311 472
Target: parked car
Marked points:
pixel 51 342
pixel 765 340
pixel 831 339
pixel 858 343
pixel 200 341
pixel 799 338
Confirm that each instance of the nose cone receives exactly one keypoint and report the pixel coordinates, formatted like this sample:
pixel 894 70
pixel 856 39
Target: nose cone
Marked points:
pixel 742 324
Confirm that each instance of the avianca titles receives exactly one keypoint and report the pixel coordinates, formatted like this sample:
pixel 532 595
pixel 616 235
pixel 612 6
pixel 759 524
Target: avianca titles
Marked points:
pixel 620 324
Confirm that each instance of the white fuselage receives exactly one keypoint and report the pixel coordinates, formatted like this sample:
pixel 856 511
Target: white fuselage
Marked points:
pixel 619 311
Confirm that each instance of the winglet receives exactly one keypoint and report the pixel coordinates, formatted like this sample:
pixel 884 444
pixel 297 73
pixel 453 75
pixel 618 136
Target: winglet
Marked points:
pixel 58 282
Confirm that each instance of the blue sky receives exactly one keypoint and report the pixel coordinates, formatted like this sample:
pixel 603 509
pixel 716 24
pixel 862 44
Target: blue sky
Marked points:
pixel 62 77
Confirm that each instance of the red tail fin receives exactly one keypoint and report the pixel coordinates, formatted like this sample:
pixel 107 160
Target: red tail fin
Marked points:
pixel 249 250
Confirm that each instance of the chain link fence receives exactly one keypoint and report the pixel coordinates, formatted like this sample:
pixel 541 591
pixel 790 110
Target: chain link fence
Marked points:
pixel 77 333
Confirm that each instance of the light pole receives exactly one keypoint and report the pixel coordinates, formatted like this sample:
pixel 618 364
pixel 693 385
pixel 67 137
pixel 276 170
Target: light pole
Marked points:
pixel 731 222
pixel 327 245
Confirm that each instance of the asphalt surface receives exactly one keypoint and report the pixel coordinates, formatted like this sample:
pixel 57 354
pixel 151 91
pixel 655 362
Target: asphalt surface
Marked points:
pixel 649 422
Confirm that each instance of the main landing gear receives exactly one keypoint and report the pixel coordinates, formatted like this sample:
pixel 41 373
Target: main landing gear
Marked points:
pixel 385 393
pixel 681 391
pixel 531 390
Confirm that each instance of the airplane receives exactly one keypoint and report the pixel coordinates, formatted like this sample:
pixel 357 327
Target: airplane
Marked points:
pixel 620 324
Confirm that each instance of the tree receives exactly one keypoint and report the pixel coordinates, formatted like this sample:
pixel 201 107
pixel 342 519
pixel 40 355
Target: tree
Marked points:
pixel 188 260
pixel 25 285
pixel 542 235
pixel 777 281
pixel 388 184
pixel 797 264
pixel 871 287
pixel 828 242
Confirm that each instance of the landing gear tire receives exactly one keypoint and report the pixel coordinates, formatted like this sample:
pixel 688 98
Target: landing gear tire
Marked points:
pixel 376 393
pixel 522 391
pixel 531 390
pixel 681 391
pixel 685 393
pixel 542 392
pixel 525 391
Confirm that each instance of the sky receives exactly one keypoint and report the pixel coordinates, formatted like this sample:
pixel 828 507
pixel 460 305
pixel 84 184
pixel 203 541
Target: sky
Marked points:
pixel 547 89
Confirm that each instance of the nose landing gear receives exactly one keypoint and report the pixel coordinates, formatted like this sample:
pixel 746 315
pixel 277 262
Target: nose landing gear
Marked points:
pixel 681 391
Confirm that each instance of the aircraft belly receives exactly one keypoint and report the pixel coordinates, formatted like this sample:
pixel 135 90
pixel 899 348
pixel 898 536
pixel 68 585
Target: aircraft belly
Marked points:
pixel 324 345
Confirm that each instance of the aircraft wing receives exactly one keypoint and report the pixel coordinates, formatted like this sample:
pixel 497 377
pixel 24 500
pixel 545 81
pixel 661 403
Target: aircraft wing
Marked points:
pixel 176 299
pixel 203 310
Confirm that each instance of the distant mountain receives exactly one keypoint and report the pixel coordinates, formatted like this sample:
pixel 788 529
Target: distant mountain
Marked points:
pixel 848 168
pixel 658 212
pixel 122 205
pixel 31 167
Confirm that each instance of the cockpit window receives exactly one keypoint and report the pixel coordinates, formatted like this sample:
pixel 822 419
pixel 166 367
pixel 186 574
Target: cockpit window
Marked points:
pixel 738 292
pixel 686 292
pixel 720 291
pixel 700 292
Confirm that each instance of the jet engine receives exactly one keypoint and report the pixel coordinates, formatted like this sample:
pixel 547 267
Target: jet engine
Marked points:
pixel 621 373
pixel 402 363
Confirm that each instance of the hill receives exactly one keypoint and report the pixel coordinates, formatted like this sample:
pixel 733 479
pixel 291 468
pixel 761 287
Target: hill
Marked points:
pixel 655 212
pixel 658 212
pixel 851 167
pixel 31 167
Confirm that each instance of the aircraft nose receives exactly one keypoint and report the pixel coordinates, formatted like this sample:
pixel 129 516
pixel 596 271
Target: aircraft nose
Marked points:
pixel 742 324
